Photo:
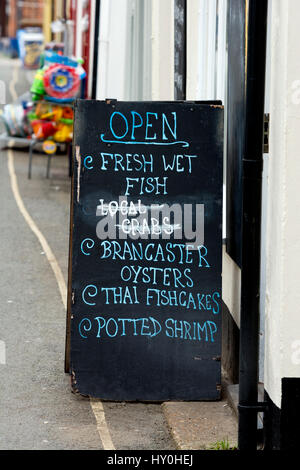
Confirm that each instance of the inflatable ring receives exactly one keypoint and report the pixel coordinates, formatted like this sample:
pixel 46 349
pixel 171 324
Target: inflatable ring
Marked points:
pixel 61 81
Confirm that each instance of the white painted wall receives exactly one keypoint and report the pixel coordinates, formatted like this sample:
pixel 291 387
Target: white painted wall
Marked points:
pixel 193 44
pixel 162 50
pixel 139 50
pixel 111 77
pixel 282 350
pixel 206 80
pixel 78 39
pixel 125 49
pixel 206 53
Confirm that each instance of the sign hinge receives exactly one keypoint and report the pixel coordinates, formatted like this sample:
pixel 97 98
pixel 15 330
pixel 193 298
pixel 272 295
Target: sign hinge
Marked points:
pixel 266 132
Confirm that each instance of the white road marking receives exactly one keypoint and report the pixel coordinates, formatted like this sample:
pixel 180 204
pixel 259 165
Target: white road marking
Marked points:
pixel 13 82
pixel 2 353
pixel 45 246
pixel 96 405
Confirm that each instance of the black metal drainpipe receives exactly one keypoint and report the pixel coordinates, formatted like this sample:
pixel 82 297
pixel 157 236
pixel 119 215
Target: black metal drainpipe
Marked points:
pixel 180 50
pixel 251 225
pixel 96 49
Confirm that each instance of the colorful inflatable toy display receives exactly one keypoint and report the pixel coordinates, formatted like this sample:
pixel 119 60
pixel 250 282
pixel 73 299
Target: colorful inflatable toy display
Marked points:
pixel 52 120
pixel 48 115
pixel 61 81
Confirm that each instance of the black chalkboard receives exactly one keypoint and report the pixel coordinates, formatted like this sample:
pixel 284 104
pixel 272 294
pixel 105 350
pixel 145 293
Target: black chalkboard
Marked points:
pixel 145 300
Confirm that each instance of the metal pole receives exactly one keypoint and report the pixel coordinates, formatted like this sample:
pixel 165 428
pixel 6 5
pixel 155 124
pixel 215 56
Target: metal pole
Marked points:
pixel 96 48
pixel 180 50
pixel 251 224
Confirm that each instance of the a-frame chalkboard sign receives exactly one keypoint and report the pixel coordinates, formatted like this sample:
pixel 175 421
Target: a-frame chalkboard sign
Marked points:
pixel 144 314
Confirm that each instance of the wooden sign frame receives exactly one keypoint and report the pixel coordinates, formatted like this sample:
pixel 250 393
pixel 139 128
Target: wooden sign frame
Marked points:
pixel 134 349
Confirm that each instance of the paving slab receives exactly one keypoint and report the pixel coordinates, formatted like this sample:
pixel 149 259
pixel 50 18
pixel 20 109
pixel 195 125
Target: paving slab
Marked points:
pixel 201 425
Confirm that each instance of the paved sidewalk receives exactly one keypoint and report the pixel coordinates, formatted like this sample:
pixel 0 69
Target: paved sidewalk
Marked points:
pixel 201 425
